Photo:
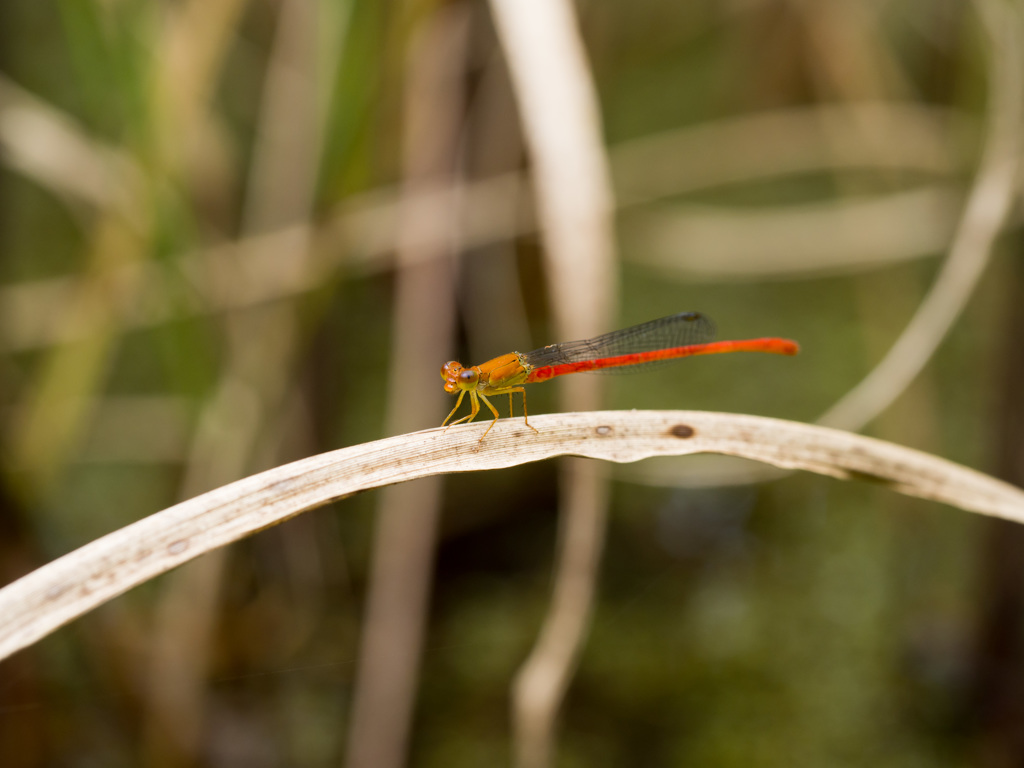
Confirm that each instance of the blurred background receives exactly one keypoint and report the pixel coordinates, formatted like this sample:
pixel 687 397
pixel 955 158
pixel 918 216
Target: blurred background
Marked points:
pixel 235 233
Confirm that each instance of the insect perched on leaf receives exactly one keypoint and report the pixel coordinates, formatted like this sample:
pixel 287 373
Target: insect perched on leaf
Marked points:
pixel 668 338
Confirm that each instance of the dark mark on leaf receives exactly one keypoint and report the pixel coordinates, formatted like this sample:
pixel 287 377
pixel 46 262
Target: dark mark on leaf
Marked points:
pixel 177 547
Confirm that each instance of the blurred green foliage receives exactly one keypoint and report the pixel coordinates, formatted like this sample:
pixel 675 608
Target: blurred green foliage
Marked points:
pixel 802 622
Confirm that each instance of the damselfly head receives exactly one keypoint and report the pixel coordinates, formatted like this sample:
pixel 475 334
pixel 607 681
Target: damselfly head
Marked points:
pixel 456 377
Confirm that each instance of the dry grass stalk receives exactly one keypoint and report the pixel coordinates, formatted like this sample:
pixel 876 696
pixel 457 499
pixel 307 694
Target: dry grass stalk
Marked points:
pixel 37 604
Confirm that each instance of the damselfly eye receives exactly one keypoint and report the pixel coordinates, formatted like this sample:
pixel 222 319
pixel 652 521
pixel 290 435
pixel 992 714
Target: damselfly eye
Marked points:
pixel 468 376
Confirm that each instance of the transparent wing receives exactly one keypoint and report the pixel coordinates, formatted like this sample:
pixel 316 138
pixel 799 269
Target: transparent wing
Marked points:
pixel 681 330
